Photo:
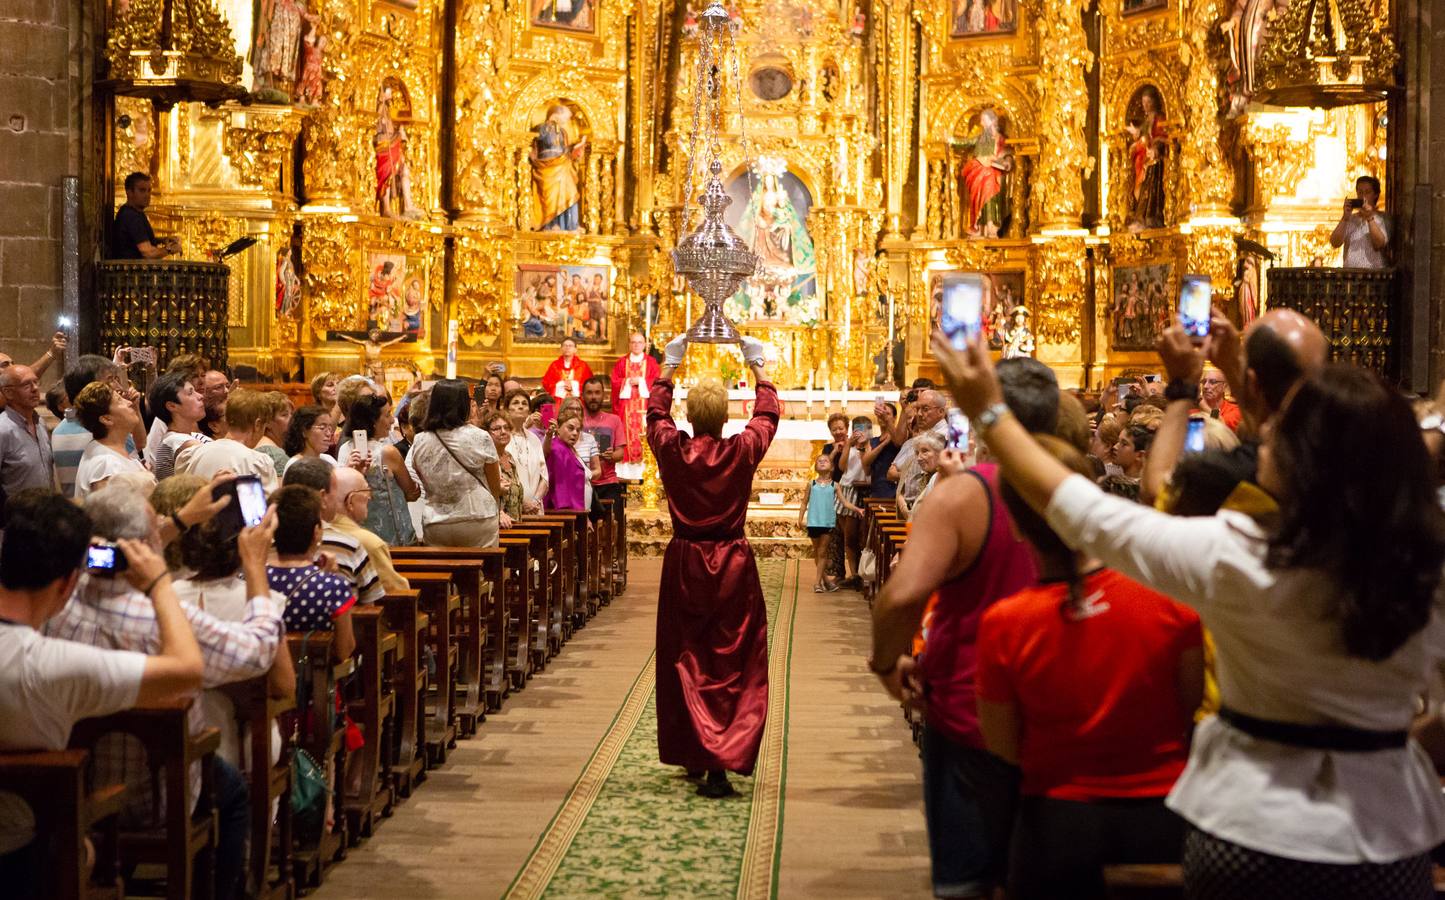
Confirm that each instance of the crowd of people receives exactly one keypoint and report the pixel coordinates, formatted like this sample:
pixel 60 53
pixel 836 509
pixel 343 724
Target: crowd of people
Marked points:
pixel 1174 623
pixel 199 598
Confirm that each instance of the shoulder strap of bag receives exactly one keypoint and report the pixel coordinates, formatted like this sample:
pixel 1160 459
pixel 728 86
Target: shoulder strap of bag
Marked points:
pixel 470 471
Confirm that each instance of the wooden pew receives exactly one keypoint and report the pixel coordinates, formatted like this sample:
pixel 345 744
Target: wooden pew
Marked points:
pixel 182 840
pixel 559 573
pixel 1144 882
pixel 443 605
pixel 371 699
pixel 322 734
pixel 52 783
pixel 606 529
pixel 526 557
pixel 479 574
pixel 403 616
pixel 270 785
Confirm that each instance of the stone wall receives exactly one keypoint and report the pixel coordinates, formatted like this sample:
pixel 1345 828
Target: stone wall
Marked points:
pixel 40 110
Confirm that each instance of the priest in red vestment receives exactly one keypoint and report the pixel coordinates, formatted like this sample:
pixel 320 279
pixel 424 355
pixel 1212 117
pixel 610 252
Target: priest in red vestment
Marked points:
pixel 712 626
pixel 630 377
pixel 566 373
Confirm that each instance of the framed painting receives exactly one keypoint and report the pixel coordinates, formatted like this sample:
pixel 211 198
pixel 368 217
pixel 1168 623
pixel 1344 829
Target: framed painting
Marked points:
pixel 396 293
pixel 572 15
pixel 1003 293
pixel 1138 6
pixel 552 302
pixel 982 18
pixel 1140 307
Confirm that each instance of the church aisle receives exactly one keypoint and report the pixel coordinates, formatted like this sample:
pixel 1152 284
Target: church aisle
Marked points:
pixel 854 803
pixel 509 812
pixel 471 826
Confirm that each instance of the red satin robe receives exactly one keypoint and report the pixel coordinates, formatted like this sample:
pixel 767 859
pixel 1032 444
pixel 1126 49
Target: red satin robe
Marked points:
pixel 632 410
pixel 556 371
pixel 712 626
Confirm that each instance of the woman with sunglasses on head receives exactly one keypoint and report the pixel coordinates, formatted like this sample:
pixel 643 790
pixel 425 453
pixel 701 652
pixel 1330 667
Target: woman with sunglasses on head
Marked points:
pixel 1326 621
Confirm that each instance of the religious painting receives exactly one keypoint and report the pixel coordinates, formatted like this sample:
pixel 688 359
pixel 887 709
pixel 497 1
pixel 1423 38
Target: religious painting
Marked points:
pixel 395 293
pixel 1137 6
pixel 983 179
pixel 1003 294
pixel 393 174
pixel 556 160
pixel 973 18
pixel 573 15
pixel 552 302
pixel 276 50
pixel 1140 308
pixel 769 212
pixel 1148 155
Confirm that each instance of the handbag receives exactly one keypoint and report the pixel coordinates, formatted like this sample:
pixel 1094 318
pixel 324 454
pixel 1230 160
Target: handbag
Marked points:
pixel 308 779
pixel 867 564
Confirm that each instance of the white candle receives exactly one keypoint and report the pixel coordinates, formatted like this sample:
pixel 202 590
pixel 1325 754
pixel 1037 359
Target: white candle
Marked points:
pixel 451 348
pixel 890 324
pixel 647 319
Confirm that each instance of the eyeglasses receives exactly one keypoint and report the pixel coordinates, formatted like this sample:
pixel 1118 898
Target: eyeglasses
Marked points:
pixel 1213 381
pixel 323 426
pixel 366 491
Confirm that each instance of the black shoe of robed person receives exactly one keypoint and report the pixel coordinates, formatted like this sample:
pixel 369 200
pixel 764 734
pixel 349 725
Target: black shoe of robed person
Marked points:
pixel 716 786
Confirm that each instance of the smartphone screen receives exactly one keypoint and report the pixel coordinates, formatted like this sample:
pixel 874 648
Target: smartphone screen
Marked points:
pixel 962 315
pixel 957 429
pixel 1194 436
pixel 1196 297
pixel 252 500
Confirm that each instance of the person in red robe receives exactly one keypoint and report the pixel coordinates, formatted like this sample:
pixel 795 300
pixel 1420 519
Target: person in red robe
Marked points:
pixel 712 626
pixel 566 373
pixel 631 375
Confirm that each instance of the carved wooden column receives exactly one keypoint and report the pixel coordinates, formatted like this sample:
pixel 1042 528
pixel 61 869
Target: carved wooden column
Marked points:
pixel 897 81
pixel 1207 179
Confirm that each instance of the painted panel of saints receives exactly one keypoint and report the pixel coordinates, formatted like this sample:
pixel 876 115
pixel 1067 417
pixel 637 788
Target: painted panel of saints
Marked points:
pixel 551 302
pixel 978 17
pixel 1141 308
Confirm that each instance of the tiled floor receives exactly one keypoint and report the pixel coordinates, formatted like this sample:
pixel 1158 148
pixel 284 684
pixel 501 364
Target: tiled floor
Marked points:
pixel 853 824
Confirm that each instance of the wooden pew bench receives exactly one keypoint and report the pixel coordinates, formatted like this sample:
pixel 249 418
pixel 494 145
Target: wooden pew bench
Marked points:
pixel 53 784
pixel 560 575
pixel 182 832
pixel 321 732
pixel 269 866
pixel 404 617
pixel 439 599
pixel 370 698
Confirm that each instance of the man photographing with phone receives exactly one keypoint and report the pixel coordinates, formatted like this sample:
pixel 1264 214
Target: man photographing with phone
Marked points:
pixel 1363 230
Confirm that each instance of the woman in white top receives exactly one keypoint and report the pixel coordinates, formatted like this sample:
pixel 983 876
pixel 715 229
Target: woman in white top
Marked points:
pixel 525 448
pixel 310 435
pixel 178 404
pixel 1326 624
pixel 110 417
pixel 455 463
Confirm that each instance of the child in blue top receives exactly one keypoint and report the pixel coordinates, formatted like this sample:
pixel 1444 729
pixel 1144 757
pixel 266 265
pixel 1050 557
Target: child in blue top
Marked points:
pixel 819 513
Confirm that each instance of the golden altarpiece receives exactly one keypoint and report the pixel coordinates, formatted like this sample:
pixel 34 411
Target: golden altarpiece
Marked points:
pixel 516 169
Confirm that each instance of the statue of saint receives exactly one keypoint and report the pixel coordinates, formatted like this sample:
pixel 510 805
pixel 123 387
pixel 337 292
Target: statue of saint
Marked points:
pixel 982 178
pixel 311 83
pixel 1148 149
pixel 1018 340
pixel 556 151
pixel 1244 31
pixel 277 50
pixel 393 176
pixel 288 286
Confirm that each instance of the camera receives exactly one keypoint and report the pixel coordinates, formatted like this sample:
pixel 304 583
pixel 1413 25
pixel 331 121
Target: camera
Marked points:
pixel 104 558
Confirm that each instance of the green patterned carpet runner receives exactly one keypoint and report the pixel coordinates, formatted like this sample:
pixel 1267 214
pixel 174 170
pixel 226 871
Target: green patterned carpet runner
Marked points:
pixel 632 827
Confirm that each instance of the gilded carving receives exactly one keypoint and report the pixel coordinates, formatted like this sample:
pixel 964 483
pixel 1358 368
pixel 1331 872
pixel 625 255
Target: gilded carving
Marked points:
pixel 1063 110
pixel 1059 273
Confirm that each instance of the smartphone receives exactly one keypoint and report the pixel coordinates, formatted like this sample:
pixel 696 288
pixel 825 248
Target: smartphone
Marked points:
pixel 247 507
pixel 1356 203
pixel 1196 299
pixel 104 558
pixel 962 315
pixel 957 429
pixel 359 440
pixel 1152 379
pixel 64 322
pixel 1194 436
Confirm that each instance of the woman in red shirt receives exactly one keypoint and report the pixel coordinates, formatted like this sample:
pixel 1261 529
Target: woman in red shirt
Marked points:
pixel 1088 682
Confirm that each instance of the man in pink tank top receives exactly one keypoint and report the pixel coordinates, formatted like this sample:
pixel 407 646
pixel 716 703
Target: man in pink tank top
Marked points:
pixel 968 792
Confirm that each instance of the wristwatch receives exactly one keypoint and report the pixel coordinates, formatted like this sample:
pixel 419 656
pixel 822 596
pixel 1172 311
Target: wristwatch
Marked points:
pixel 1179 389
pixel 986 419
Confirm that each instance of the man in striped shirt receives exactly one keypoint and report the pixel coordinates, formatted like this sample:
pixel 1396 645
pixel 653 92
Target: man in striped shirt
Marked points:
pixel 352 560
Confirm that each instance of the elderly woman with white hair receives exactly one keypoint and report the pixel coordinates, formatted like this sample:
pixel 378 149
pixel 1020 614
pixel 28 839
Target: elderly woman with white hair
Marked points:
pixel 712 627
